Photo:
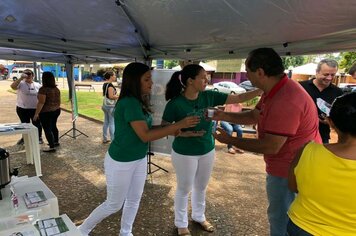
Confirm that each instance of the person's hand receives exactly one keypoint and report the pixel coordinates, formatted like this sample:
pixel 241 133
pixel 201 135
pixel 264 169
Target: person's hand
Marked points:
pixel 218 115
pixel 188 122
pixel 222 136
pixel 35 117
pixel 323 119
pixel 23 76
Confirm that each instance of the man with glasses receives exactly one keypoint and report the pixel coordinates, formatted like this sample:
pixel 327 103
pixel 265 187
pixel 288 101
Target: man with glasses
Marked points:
pixel 26 102
pixel 321 87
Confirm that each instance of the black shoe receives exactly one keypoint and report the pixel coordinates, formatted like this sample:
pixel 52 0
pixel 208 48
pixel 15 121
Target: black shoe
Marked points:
pixel 49 150
pixel 20 142
pixel 40 141
pixel 55 144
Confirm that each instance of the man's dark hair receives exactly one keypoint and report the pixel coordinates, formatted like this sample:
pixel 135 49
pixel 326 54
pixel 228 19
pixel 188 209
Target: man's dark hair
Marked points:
pixel 329 62
pixel 266 59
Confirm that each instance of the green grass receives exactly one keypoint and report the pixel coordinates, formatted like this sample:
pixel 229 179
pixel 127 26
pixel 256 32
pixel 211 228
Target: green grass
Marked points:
pixel 89 103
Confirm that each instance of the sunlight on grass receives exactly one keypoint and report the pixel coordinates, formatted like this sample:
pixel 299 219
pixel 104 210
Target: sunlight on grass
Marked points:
pixel 89 103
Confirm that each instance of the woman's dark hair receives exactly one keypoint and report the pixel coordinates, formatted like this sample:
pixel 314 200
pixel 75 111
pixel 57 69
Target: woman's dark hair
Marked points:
pixel 343 113
pixel 48 80
pixel 131 83
pixel 28 71
pixel 108 74
pixel 266 59
pixel 179 79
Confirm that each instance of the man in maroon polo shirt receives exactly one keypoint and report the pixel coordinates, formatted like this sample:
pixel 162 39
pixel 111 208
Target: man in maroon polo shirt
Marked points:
pixel 286 119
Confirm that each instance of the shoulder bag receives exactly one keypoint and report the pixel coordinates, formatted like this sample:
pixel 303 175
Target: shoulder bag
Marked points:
pixel 107 101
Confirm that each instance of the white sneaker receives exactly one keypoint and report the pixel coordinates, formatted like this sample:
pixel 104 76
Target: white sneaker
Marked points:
pixel 83 234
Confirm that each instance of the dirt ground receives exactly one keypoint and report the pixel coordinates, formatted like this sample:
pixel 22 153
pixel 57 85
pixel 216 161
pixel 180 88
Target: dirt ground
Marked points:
pixel 236 198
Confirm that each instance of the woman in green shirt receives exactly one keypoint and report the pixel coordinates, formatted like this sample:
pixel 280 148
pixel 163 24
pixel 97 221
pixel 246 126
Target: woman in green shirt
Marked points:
pixel 125 162
pixel 194 149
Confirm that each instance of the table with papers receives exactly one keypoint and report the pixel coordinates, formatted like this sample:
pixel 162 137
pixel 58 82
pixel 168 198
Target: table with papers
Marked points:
pixel 21 187
pixel 30 135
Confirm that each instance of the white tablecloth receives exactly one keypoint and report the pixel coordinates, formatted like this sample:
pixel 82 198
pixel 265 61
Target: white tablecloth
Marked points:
pixel 30 135
pixel 73 231
pixel 21 187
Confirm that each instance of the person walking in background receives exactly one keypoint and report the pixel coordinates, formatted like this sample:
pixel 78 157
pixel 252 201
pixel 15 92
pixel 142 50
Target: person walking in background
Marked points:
pixel 110 98
pixel 287 118
pixel 321 87
pixel 125 162
pixel 193 149
pixel 26 102
pixel 48 109
pixel 231 127
pixel 324 177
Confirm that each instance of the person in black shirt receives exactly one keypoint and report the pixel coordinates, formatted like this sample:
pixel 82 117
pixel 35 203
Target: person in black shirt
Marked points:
pixel 321 87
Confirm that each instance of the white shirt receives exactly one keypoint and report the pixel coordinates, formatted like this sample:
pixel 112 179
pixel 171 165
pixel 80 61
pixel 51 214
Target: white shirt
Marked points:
pixel 27 95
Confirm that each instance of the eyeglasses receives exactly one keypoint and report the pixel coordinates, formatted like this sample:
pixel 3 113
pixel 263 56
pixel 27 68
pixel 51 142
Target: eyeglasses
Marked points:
pixel 28 73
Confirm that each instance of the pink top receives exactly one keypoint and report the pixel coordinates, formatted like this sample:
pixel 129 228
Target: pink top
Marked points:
pixel 287 110
pixel 233 107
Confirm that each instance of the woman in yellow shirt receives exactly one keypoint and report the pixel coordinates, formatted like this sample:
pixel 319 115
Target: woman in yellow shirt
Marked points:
pixel 324 176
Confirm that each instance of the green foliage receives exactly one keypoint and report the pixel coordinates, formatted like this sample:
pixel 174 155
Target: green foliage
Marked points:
pixel 48 64
pixel 293 61
pixel 347 59
pixel 169 64
pixel 102 71
pixel 89 103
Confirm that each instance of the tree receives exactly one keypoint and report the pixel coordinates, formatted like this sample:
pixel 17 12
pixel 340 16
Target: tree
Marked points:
pixel 347 59
pixel 293 61
pixel 170 63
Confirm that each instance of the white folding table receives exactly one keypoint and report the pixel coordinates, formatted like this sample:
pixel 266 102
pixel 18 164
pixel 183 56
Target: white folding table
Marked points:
pixel 30 135
pixel 24 186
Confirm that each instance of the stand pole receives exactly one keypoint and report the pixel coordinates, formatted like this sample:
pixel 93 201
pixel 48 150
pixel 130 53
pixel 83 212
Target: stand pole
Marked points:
pixel 150 163
pixel 74 135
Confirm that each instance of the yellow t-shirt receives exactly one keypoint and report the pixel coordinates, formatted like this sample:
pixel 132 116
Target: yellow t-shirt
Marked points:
pixel 326 202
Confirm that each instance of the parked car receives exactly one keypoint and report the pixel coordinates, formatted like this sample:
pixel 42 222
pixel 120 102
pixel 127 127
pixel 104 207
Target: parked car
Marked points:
pixel 247 85
pixel 228 87
pixel 209 87
pixel 17 71
pixel 346 88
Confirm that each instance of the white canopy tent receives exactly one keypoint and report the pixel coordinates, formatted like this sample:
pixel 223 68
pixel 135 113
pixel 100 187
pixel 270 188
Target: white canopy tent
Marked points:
pixel 204 65
pixel 106 31
pixel 307 69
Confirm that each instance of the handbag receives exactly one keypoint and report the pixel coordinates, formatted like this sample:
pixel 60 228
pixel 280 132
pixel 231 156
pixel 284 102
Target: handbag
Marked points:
pixel 107 101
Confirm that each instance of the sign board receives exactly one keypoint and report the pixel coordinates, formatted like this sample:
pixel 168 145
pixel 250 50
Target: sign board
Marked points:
pixel 160 78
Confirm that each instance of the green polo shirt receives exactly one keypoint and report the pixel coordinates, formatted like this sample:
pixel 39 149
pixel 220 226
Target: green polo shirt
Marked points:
pixel 127 146
pixel 181 107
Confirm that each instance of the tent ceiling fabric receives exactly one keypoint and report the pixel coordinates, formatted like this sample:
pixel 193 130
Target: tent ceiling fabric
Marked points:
pixel 106 31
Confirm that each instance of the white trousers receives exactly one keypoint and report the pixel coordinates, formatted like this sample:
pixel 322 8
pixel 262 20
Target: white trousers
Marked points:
pixel 125 182
pixel 193 174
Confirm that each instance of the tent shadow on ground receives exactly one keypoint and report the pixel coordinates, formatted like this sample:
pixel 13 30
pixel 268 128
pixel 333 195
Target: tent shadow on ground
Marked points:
pixel 236 200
